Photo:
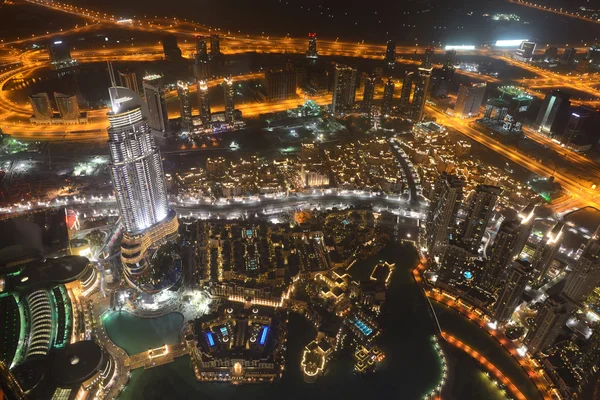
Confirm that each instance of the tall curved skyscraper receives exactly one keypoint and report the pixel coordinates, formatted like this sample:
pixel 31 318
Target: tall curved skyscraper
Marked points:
pixel 136 165
pixel 149 252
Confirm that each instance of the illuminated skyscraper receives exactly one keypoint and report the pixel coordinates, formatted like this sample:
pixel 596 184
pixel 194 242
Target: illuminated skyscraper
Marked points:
pixel 545 252
pixel 129 80
pixel 312 46
pixel 67 106
pixel 469 99
pixel 585 276
pixel 344 91
pixel 140 190
pixel 553 113
pixel 204 102
pixel 390 53
pixel 512 291
pixel 388 97
pixel 42 108
pixel 369 93
pixel 445 201
pixel 154 92
pixel 547 324
pixel 185 107
pixel 229 104
pixel 215 45
pixel 479 212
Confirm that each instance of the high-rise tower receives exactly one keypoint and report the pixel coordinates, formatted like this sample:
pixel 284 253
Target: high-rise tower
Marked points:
pixel 388 97
pixel 140 190
pixel 368 94
pixel 448 193
pixel 215 45
pixel 185 106
pixel 229 104
pixel 344 91
pixel 390 53
pixel 553 114
pixel 204 102
pixel 312 46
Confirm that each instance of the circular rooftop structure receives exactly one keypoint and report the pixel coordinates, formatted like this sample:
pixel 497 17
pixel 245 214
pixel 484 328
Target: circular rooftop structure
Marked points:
pixel 54 270
pixel 76 363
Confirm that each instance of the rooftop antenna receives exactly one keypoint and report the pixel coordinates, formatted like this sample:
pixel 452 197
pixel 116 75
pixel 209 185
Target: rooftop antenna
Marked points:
pixel 111 74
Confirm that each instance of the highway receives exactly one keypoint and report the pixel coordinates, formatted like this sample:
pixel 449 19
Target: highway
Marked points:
pixel 572 184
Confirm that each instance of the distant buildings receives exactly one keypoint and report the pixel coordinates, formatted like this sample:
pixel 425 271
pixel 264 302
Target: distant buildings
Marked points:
pixel 280 85
pixel 388 97
pixel 390 53
pixel 60 56
pixel 229 104
pixel 550 54
pixel 204 102
pixel 568 57
pixel 368 94
pixel 215 45
pixel 312 52
pixel 201 59
pixel 42 108
pixel 504 113
pixel 468 101
pixel 185 106
pixel 415 89
pixel 344 90
pixel 442 78
pixel 170 48
pixel 201 48
pixel 154 92
pixel 67 107
pixel 583 129
pixel 553 113
pixel 428 58
pixel 525 51
pixel 68 110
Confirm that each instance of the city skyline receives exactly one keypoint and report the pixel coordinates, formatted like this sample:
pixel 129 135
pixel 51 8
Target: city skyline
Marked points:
pixel 270 202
